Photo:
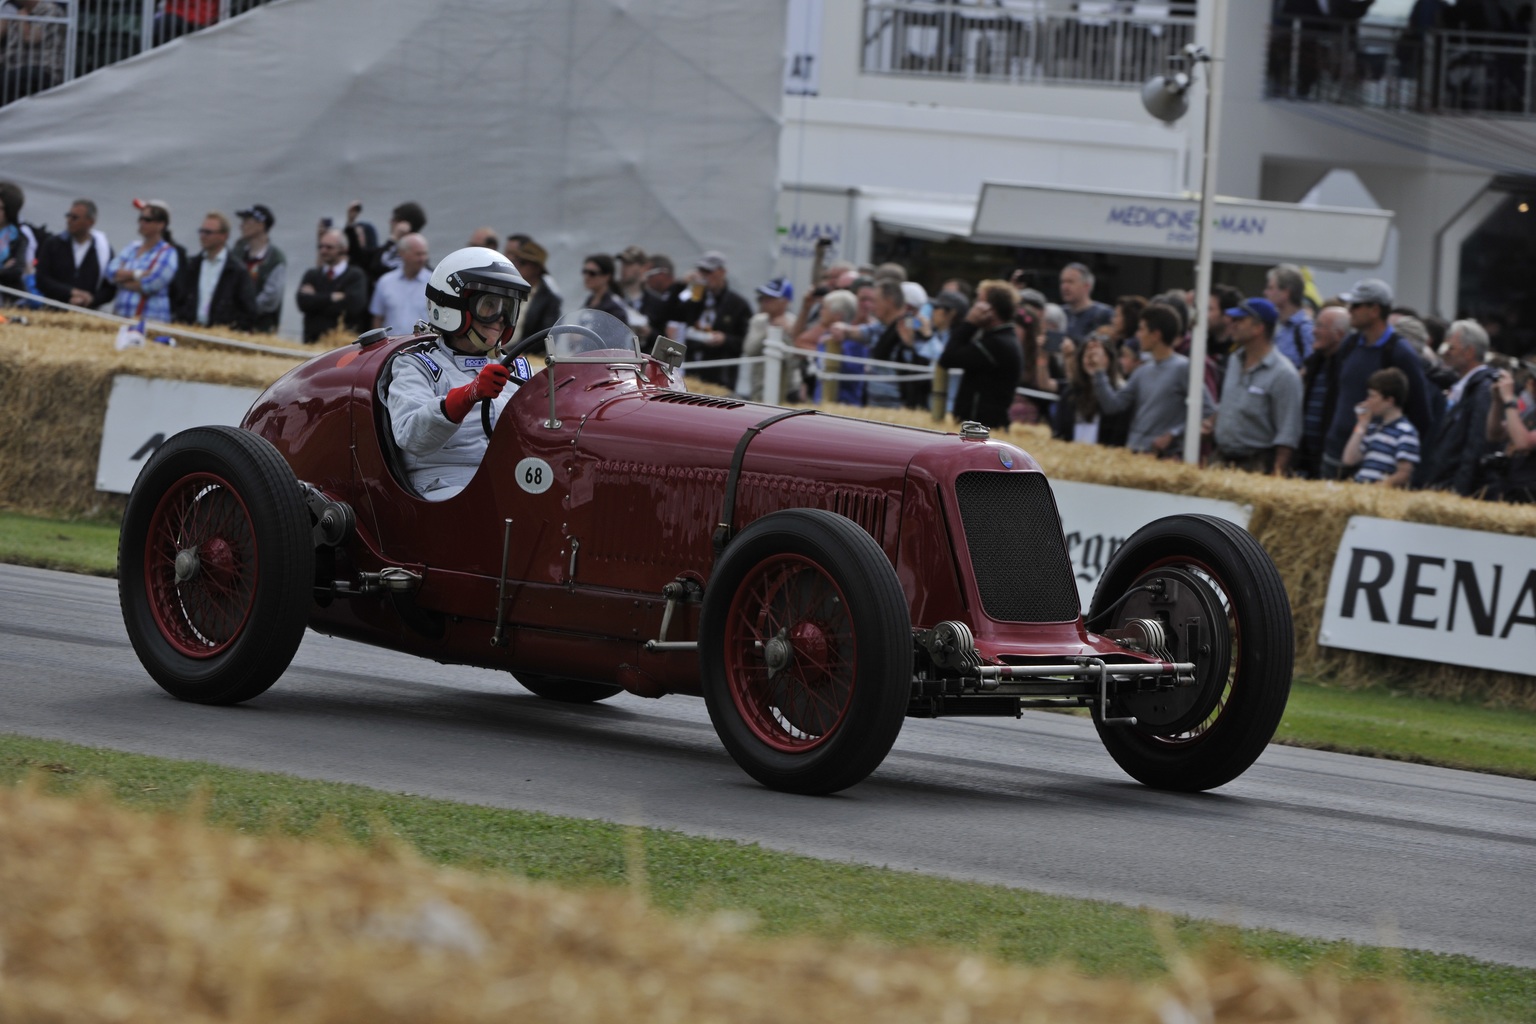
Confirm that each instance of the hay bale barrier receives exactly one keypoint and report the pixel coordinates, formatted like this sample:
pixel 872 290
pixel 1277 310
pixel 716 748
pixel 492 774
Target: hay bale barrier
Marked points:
pixel 111 915
pixel 56 373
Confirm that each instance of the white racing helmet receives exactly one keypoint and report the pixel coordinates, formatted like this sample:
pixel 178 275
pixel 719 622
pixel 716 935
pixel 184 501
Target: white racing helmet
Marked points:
pixel 474 296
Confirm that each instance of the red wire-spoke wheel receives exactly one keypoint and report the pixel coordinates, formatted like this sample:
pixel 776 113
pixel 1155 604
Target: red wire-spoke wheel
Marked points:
pixel 200 557
pixel 806 648
pixel 216 565
pixel 1224 608
pixel 790 650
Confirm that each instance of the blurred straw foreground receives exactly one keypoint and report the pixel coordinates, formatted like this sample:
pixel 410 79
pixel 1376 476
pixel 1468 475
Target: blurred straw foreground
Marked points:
pixel 56 374
pixel 113 916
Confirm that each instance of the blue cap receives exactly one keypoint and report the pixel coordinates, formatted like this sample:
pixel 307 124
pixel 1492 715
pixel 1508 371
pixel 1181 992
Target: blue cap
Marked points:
pixel 1261 308
pixel 778 288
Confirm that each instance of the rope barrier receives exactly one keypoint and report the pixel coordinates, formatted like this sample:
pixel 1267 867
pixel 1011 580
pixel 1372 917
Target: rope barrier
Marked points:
pixel 175 330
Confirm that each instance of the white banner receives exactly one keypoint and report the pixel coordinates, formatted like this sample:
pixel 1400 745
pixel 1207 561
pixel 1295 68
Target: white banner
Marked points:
pixel 142 413
pixel 1098 519
pixel 1143 223
pixel 802 64
pixel 1460 597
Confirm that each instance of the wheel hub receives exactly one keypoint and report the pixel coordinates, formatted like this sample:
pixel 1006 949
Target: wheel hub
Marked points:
pixel 187 564
pixel 778 653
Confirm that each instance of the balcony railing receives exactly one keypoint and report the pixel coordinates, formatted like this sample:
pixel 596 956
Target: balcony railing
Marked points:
pixel 94 33
pixel 1108 42
pixel 1397 69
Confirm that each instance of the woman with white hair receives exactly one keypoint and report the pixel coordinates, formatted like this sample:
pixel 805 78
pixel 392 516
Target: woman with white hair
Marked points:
pixel 837 307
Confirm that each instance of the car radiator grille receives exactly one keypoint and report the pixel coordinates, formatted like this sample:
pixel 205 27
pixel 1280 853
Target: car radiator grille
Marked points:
pixel 1017 552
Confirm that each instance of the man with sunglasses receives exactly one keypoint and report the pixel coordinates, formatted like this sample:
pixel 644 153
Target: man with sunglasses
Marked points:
pixel 144 271
pixel 72 266
pixel 215 289
pixel 431 388
pixel 1372 346
pixel 334 290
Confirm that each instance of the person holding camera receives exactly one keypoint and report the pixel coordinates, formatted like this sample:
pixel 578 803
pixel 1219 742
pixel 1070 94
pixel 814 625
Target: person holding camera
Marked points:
pixel 1513 469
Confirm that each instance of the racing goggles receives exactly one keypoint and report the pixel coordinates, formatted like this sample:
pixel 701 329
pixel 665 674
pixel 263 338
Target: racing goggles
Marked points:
pixel 488 307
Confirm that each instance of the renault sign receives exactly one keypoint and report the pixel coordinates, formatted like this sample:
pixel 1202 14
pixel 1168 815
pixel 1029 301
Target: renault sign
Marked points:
pixel 1462 597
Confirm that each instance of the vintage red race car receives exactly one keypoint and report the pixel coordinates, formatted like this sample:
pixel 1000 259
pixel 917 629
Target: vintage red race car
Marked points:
pixel 817 579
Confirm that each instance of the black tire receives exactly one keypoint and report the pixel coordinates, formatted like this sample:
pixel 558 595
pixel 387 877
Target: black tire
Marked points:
pixel 818 592
pixel 566 691
pixel 1204 736
pixel 228 628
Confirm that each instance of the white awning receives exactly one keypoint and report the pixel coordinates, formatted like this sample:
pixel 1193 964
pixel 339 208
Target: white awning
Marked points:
pixel 1153 224
pixel 934 222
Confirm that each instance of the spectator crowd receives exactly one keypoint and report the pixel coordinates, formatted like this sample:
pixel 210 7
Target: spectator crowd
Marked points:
pixel 1353 387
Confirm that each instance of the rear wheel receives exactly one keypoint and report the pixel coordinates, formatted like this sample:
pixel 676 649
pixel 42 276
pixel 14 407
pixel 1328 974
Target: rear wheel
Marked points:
pixel 1220 598
pixel 567 691
pixel 806 644
pixel 215 565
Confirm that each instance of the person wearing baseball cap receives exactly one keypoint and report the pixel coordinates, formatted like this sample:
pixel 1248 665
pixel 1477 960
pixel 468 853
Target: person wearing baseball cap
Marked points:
pixel 1258 424
pixel 772 317
pixel 716 317
pixel 145 269
pixel 265 263
pixel 1372 346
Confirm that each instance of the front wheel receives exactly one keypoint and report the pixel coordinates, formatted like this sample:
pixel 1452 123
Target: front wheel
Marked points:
pixel 215 565
pixel 1219 596
pixel 806 647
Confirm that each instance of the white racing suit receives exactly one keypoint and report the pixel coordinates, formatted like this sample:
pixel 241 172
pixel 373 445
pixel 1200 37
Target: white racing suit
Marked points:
pixel 440 455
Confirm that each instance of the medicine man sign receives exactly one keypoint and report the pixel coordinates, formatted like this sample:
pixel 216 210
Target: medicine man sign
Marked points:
pixel 1461 597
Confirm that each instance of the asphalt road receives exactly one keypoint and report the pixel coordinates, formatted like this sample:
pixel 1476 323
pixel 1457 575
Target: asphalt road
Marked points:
pixel 1312 843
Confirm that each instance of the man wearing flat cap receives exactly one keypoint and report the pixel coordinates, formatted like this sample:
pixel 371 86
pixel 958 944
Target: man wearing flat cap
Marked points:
pixel 1258 424
pixel 543 306
pixel 717 318
pixel 265 263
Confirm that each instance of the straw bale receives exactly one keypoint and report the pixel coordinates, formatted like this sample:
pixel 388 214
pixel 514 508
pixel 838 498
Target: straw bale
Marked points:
pixel 107 915
pixel 55 377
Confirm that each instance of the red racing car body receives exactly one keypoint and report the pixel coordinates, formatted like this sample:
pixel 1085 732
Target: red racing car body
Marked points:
pixel 817 579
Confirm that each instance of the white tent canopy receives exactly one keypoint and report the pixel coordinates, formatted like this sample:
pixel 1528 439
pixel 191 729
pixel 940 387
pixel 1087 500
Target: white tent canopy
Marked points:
pixel 589 124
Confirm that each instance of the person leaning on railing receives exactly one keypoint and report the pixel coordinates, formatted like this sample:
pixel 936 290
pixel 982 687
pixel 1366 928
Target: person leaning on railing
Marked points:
pixel 837 307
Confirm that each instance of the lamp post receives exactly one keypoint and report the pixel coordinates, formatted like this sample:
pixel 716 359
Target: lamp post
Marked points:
pixel 1167 99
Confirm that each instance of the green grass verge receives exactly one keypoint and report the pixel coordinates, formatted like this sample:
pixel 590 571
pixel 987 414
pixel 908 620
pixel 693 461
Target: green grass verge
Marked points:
pixel 786 894
pixel 1380 722
pixel 77 546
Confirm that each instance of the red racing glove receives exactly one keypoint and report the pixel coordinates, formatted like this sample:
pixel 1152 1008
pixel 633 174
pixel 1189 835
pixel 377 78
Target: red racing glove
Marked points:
pixel 487 384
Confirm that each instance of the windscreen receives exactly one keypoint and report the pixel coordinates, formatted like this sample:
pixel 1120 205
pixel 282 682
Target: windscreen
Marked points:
pixel 585 333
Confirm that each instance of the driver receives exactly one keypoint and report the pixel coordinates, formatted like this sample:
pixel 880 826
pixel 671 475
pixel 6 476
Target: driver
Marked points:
pixel 472 303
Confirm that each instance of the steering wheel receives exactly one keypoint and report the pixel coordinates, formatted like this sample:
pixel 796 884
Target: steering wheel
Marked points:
pixel 510 356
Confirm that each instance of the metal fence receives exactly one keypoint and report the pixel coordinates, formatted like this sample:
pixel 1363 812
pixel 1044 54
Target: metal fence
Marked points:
pixel 60 41
pixel 1398 69
pixel 1112 42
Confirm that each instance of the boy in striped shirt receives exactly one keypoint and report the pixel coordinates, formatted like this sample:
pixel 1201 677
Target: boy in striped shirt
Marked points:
pixel 1384 444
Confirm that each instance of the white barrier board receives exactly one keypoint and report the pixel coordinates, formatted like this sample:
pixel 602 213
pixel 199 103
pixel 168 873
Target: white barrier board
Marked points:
pixel 142 413
pixel 1097 519
pixel 1461 597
